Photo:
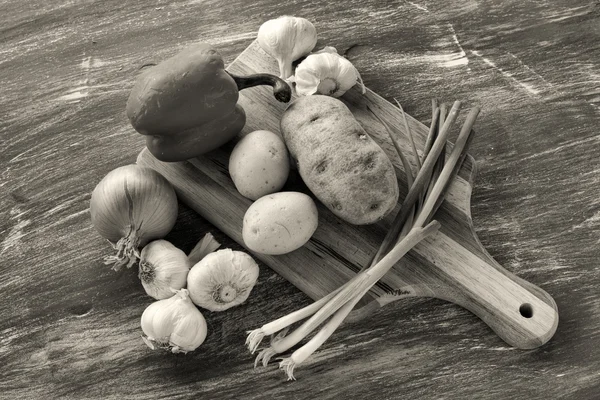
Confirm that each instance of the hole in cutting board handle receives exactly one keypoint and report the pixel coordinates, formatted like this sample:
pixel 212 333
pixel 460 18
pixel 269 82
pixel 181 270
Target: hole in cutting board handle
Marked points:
pixel 526 310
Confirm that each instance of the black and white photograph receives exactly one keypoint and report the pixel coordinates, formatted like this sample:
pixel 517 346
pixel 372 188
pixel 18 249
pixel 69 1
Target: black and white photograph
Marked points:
pixel 300 200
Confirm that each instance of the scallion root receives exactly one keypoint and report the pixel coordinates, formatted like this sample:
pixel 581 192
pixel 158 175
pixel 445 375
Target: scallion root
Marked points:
pixel 265 356
pixel 288 365
pixel 254 338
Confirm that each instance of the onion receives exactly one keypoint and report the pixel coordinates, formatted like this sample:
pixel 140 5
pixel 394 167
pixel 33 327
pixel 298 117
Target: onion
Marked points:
pixel 131 206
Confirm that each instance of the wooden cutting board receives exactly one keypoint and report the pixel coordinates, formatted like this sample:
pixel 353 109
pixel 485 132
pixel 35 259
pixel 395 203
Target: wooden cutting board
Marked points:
pixel 451 265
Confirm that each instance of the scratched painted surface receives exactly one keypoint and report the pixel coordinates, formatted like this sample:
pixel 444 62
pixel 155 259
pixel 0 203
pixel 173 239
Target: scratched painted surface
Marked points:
pixel 69 327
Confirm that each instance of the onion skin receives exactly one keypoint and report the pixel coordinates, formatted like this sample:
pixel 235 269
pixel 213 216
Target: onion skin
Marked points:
pixel 131 206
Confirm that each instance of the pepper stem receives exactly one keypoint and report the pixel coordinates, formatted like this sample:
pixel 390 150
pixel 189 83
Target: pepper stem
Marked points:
pixel 281 90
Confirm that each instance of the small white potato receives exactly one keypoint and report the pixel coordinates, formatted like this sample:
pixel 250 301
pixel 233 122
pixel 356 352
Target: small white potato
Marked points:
pixel 259 164
pixel 279 223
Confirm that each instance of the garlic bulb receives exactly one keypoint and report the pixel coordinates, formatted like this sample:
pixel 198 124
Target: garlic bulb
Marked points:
pixel 174 324
pixel 163 267
pixel 326 72
pixel 222 279
pixel 287 39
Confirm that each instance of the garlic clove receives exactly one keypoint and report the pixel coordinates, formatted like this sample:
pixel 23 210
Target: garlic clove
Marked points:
pixel 151 314
pixel 190 331
pixel 205 246
pixel 307 82
pixel 222 279
pixel 327 49
pixel 163 320
pixel 190 327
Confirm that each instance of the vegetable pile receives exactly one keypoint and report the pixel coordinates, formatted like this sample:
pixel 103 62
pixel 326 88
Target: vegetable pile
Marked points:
pixel 187 106
pixel 134 208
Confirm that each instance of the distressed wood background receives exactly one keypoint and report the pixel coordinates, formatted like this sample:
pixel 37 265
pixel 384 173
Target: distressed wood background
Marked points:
pixel 69 326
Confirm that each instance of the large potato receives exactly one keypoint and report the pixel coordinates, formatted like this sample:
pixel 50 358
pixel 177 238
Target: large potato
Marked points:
pixel 259 164
pixel 279 223
pixel 339 162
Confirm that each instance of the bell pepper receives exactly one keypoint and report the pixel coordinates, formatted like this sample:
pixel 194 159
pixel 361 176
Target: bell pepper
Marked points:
pixel 187 104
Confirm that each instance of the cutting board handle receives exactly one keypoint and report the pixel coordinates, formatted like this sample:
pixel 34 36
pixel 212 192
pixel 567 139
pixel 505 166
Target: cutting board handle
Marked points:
pixel 525 316
pixel 521 313
pixel 520 319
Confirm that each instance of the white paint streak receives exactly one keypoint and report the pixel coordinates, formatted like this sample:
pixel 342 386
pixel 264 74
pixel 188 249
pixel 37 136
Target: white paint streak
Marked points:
pixel 457 57
pixel 89 63
pixel 85 64
pixel 120 132
pixel 563 147
pixel 443 60
pixel 13 280
pixel 16 233
pixel 462 51
pixel 417 6
pixel 590 222
pixel 8 335
pixel 541 78
pixel 448 61
pixel 14 236
pixel 64 220
pixel 367 333
pixel 234 38
pixel 16 212
pixel 509 28
pixel 25 46
pixel 65 205
pixel 19 157
pixel 80 92
pixel 568 13
pixel 74 95
pixel 84 89
pixel 381 13
pixel 528 87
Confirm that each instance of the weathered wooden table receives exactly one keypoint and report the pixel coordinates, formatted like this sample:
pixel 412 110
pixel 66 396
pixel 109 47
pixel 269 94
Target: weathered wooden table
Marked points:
pixel 69 326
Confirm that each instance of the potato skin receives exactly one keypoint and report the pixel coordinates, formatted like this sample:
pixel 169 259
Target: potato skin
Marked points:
pixel 338 161
pixel 279 223
pixel 259 164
